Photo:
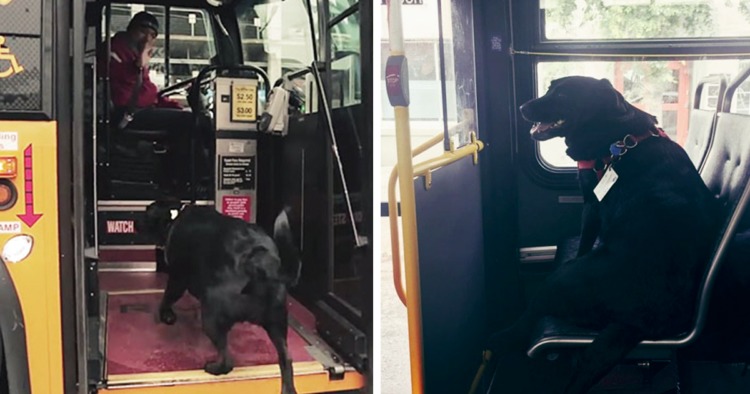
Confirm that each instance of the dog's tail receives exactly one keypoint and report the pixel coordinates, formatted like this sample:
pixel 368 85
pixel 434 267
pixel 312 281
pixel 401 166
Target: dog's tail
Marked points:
pixel 291 264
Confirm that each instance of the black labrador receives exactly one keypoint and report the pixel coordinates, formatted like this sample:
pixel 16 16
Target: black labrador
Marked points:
pixel 236 271
pixel 653 216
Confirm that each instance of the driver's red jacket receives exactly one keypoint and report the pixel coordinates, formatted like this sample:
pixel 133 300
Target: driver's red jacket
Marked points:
pixel 123 72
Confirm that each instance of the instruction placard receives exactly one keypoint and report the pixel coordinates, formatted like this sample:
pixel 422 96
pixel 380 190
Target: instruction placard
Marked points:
pixel 244 103
pixel 237 207
pixel 237 172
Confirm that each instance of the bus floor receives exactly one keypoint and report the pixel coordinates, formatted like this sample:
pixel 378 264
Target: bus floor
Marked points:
pixel 138 350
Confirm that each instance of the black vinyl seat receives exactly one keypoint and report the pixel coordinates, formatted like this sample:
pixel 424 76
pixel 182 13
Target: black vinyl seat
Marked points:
pixel 703 120
pixel 726 172
pixel 138 160
pixel 156 136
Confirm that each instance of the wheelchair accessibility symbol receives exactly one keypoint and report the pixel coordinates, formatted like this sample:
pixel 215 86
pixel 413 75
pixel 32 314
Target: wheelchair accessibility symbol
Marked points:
pixel 7 57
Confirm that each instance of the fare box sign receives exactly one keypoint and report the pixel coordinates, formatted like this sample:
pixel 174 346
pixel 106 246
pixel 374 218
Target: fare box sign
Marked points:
pixel 237 207
pixel 244 103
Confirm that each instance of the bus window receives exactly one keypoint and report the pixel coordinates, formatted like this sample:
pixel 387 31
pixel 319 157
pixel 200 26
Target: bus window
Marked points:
pixel 21 56
pixel 21 18
pixel 20 73
pixel 191 44
pixel 337 7
pixel 662 88
pixel 276 37
pixel 345 52
pixel 628 19
pixel 441 75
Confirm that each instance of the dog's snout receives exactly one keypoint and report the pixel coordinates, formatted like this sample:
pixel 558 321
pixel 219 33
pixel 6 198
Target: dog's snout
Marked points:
pixel 525 109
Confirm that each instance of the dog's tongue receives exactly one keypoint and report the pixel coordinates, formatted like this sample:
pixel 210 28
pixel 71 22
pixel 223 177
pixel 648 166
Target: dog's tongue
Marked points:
pixel 540 127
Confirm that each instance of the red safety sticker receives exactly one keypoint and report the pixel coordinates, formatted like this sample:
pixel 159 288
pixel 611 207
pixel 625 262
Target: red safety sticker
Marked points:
pixel 237 206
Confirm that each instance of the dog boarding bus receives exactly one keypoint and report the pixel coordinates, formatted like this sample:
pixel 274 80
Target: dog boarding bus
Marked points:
pixel 573 179
pixel 249 112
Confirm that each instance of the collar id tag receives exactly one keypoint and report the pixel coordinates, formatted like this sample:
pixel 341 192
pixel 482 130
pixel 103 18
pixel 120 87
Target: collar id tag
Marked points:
pixel 602 188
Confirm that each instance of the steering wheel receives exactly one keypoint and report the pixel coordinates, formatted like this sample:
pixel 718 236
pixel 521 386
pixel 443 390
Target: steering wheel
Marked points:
pixel 191 88
pixel 170 90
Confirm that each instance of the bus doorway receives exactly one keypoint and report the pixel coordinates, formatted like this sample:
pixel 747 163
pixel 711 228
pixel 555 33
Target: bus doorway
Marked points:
pixel 226 63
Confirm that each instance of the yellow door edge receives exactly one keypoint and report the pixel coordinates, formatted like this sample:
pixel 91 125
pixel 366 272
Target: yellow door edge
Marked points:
pixel 309 377
pixel 198 375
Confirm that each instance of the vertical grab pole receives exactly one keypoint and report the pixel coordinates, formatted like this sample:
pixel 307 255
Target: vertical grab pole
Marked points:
pixel 397 86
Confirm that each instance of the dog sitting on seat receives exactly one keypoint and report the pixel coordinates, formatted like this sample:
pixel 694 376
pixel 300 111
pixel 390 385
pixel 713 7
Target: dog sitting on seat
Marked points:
pixel 652 213
pixel 236 271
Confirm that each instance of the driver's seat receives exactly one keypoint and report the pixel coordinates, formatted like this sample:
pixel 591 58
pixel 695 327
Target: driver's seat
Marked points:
pixel 137 162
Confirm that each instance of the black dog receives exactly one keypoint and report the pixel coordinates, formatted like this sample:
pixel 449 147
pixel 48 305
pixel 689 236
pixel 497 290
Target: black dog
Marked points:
pixel 655 223
pixel 236 271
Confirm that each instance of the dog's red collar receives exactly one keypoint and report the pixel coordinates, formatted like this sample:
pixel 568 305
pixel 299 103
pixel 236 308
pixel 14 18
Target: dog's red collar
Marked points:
pixel 597 165
pixel 617 149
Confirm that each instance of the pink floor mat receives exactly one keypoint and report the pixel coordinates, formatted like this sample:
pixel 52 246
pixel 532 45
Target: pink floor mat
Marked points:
pixel 136 343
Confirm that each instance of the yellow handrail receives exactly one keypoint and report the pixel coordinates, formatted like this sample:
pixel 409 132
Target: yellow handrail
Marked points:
pixel 393 217
pixel 411 257
pixel 486 356
pixel 400 104
pixel 426 167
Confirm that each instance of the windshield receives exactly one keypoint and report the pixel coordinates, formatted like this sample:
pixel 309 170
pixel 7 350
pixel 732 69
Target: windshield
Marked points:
pixel 276 36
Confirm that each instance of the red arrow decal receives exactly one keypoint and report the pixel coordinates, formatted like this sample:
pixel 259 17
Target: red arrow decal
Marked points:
pixel 28 217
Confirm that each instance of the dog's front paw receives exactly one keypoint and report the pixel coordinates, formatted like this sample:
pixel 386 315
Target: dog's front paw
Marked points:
pixel 167 316
pixel 218 367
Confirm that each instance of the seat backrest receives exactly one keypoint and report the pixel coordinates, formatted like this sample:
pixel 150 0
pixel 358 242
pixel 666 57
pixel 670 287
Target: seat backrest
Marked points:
pixel 726 173
pixel 703 117
pixel 727 165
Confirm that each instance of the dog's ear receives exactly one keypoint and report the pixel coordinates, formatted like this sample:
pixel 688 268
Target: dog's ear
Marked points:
pixel 619 105
pixel 157 218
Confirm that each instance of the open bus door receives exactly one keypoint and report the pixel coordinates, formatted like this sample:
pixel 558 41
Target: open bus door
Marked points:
pixel 440 195
pixel 78 283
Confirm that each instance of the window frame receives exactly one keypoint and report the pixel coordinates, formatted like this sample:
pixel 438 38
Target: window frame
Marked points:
pixel 530 48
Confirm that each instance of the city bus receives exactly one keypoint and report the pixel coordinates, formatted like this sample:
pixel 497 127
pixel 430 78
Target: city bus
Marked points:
pixel 283 88
pixel 478 213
